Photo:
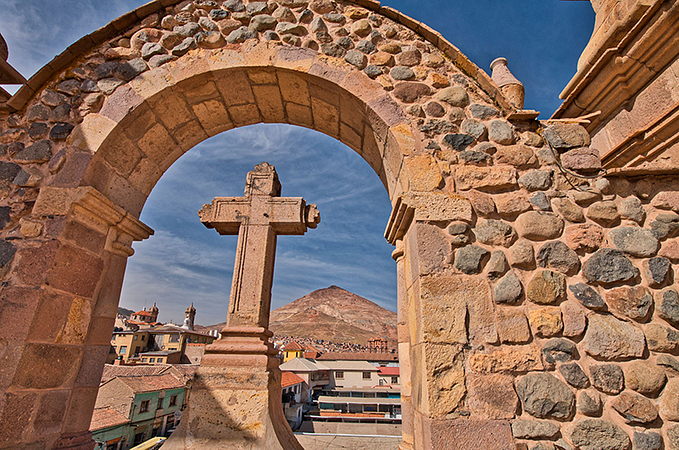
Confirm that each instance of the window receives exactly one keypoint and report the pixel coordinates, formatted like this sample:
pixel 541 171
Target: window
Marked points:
pixel 367 375
pixel 135 337
pixel 144 407
pixel 174 338
pixel 138 438
pixel 394 380
pixel 143 337
pixel 123 350
pixel 339 375
pixel 152 360
pixel 144 360
pixel 173 400
pixel 160 360
pixel 160 404
pixel 172 349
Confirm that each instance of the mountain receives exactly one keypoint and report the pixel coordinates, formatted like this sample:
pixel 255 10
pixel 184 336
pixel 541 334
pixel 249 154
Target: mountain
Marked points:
pixel 125 312
pixel 333 314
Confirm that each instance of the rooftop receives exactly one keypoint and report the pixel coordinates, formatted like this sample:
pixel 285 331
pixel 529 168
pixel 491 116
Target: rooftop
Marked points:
pixel 152 383
pixel 290 379
pixel 389 371
pixel 106 418
pixel 302 365
pixel 111 371
pixel 359 356
pixel 293 346
pixel 363 366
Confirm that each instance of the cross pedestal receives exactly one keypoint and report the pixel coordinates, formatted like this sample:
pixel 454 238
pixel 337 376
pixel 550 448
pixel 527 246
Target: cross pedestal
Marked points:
pixel 235 400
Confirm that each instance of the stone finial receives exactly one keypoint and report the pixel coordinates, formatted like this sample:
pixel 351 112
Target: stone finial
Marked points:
pixel 263 180
pixel 511 87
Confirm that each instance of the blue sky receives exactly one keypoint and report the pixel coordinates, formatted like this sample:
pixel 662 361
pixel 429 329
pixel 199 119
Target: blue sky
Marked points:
pixel 185 262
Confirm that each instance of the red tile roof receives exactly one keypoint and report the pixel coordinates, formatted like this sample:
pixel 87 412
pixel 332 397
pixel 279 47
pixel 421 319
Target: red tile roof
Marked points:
pixel 360 356
pixel 143 313
pixel 106 418
pixel 152 383
pixel 389 371
pixel 293 346
pixel 290 379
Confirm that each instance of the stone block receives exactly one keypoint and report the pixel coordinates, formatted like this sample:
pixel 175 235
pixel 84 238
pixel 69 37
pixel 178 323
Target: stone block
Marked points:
pixel 507 360
pixel 212 116
pixel 299 115
pixel 487 178
pixel 45 366
pixel 245 115
pixel 32 264
pixel 545 322
pixel 75 271
pixel 326 117
pixel 424 174
pixel 492 396
pixel 512 326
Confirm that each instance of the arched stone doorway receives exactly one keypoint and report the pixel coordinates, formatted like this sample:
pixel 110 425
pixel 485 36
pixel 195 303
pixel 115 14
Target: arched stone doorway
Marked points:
pixel 86 182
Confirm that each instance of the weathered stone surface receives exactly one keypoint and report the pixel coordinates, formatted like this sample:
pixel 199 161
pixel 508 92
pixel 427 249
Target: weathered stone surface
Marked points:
pixel 508 289
pixel 647 441
pixel 536 180
pixel 511 204
pixel 598 434
pixel 668 362
pixel 666 200
pixel 481 111
pixel 587 296
pixel 519 156
pixel 534 429
pixel 495 232
pixel 609 338
pixel 39 152
pixel 537 225
pixel 497 264
pixel 473 128
pixel 458 141
pixel 488 178
pixel 507 360
pixel 583 160
pixel 574 320
pixel 645 377
pixel 409 92
pixel 589 403
pixel 547 288
pixel 574 375
pixel 632 209
pixel 559 256
pixel 544 396
pixel 667 306
pixel 454 96
pixel 563 136
pixel 632 302
pixel 540 201
pixel 568 210
pixel 239 35
pixel 545 322
pixel 558 350
pixel 670 250
pixel 470 259
pixel 130 69
pixel 584 238
pixel 609 266
pixel 492 396
pixel 500 131
pixel 522 255
pixel 661 339
pixel 634 408
pixel 604 213
pixel 512 326
pixel 608 378
pixel 634 241
pixel 460 309
pixel 656 270
pixel 669 401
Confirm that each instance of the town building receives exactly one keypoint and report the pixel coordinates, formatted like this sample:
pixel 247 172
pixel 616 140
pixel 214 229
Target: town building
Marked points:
pixel 291 390
pixel 389 376
pixel 150 404
pixel 316 376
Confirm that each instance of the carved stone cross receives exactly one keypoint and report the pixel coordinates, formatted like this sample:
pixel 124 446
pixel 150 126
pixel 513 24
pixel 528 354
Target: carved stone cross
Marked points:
pixel 258 218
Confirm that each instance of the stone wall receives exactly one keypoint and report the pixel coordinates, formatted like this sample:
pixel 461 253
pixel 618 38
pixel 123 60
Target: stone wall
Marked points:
pixel 547 305
pixel 529 301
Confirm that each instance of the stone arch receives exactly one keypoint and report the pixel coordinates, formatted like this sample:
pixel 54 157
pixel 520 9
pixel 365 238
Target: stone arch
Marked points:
pixel 118 118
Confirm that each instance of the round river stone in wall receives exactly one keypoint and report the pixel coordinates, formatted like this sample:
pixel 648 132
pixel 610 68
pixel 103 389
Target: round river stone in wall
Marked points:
pixel 545 396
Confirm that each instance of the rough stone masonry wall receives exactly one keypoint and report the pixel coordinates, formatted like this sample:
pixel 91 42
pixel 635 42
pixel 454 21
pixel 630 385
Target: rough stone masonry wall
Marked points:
pixel 532 302
pixel 561 298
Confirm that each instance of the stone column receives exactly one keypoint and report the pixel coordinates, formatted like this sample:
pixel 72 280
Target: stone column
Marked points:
pixel 403 349
pixel 65 289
